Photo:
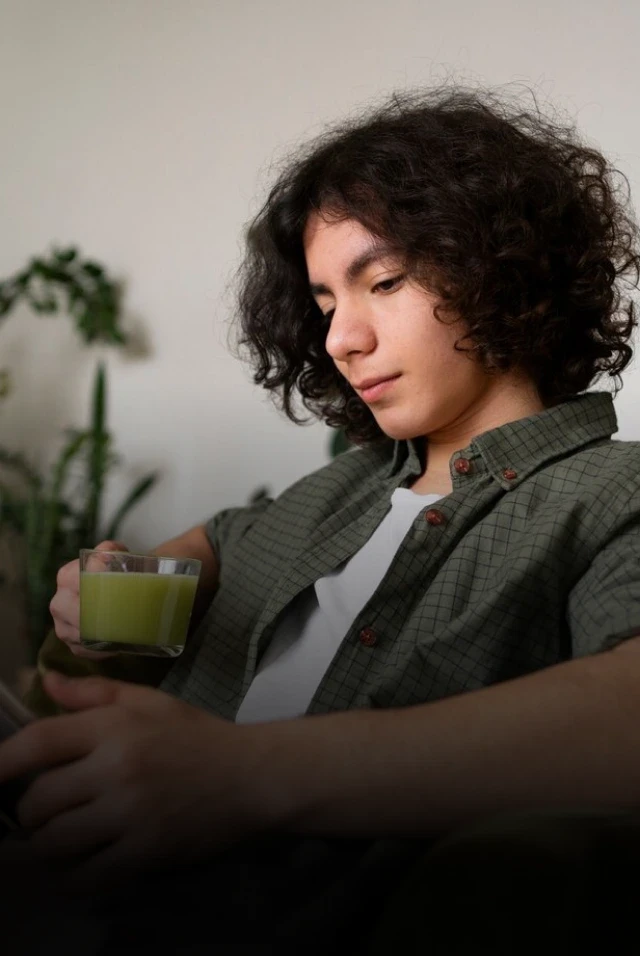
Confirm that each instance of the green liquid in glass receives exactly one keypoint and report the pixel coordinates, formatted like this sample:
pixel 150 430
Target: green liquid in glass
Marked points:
pixel 135 611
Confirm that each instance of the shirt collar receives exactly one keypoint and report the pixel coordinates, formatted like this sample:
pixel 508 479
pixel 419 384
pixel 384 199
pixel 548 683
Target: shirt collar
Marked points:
pixel 406 456
pixel 514 451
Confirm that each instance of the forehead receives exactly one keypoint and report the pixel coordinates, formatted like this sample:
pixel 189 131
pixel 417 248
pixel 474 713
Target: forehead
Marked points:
pixel 332 243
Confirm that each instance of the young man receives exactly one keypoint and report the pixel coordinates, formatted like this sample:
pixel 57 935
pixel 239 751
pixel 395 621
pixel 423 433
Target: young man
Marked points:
pixel 444 280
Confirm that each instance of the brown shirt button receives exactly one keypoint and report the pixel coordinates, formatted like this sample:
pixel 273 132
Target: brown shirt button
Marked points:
pixel 462 466
pixel 434 517
pixel 368 636
pixel 509 474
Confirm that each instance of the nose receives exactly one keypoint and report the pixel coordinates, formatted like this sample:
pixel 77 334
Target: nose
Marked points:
pixel 350 332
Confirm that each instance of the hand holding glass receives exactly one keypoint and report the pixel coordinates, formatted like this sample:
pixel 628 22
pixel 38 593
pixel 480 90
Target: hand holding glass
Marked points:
pixel 136 603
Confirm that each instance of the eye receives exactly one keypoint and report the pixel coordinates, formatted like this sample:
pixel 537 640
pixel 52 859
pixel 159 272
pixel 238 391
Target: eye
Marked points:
pixel 388 285
pixel 321 316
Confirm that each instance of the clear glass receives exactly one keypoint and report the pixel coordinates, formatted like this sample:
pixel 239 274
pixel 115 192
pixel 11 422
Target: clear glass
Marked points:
pixel 136 603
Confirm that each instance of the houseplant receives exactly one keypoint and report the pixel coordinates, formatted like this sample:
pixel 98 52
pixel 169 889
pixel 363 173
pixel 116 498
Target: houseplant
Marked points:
pixel 52 515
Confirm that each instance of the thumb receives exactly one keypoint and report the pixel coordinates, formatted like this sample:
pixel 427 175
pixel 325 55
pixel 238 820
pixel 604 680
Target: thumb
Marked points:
pixel 81 693
pixel 111 546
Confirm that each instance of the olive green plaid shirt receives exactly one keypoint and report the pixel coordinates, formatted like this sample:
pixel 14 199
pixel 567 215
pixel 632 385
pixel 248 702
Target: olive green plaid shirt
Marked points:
pixel 533 558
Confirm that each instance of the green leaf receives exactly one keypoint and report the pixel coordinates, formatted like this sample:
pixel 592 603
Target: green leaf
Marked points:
pixel 99 453
pixel 51 507
pixel 6 303
pixel 92 298
pixel 99 401
pixel 55 274
pixel 5 382
pixel 66 255
pixel 33 514
pixel 37 305
pixel 139 491
pixel 12 511
pixel 19 464
pixel 70 451
pixel 48 305
pixel 118 337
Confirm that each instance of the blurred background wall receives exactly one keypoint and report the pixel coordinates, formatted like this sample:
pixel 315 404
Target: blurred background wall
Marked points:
pixel 146 132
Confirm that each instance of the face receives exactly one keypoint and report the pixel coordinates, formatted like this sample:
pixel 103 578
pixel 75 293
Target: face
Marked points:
pixel 385 340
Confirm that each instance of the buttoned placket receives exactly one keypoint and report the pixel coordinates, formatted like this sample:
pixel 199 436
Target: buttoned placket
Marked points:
pixel 432 534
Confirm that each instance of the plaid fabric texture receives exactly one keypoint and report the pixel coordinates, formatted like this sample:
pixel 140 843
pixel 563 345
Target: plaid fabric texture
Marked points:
pixel 533 558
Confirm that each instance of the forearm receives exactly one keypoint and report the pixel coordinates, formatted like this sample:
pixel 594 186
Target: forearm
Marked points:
pixel 565 737
pixel 193 544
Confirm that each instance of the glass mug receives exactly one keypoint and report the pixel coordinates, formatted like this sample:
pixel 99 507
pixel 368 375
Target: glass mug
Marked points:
pixel 136 603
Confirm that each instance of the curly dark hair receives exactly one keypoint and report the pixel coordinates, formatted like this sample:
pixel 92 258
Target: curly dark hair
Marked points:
pixel 522 230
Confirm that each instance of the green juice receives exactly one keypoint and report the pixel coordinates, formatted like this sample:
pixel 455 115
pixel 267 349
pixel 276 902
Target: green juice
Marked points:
pixel 135 611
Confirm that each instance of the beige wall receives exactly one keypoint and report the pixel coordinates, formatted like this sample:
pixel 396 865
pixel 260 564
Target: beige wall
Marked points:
pixel 144 130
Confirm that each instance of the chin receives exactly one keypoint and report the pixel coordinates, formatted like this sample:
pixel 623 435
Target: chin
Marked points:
pixel 400 431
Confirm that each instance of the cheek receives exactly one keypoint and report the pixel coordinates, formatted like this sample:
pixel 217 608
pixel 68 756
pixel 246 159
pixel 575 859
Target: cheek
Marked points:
pixel 341 367
pixel 442 346
pixel 436 353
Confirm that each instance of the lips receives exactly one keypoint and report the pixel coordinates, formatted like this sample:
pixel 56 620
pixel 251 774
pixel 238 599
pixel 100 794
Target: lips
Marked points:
pixel 370 382
pixel 372 388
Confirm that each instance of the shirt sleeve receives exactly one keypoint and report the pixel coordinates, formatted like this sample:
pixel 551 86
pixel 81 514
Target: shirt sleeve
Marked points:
pixel 604 606
pixel 228 527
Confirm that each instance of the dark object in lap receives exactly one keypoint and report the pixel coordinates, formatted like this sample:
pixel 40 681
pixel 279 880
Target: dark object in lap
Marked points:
pixel 513 885
pixel 520 885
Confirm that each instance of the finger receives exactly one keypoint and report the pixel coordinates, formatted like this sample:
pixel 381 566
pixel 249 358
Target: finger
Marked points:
pixel 65 607
pixel 57 791
pixel 84 693
pixel 79 831
pixel 127 857
pixel 68 577
pixel 49 741
pixel 101 557
pixel 68 634
pixel 81 693
pixel 111 546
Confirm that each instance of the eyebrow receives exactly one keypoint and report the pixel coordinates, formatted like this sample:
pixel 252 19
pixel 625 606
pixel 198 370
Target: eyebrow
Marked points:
pixel 356 267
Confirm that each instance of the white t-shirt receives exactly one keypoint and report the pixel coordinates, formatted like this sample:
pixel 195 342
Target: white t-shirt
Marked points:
pixel 313 627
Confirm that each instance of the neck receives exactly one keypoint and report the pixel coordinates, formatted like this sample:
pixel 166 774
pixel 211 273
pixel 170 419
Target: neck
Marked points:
pixel 511 401
pixel 435 480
